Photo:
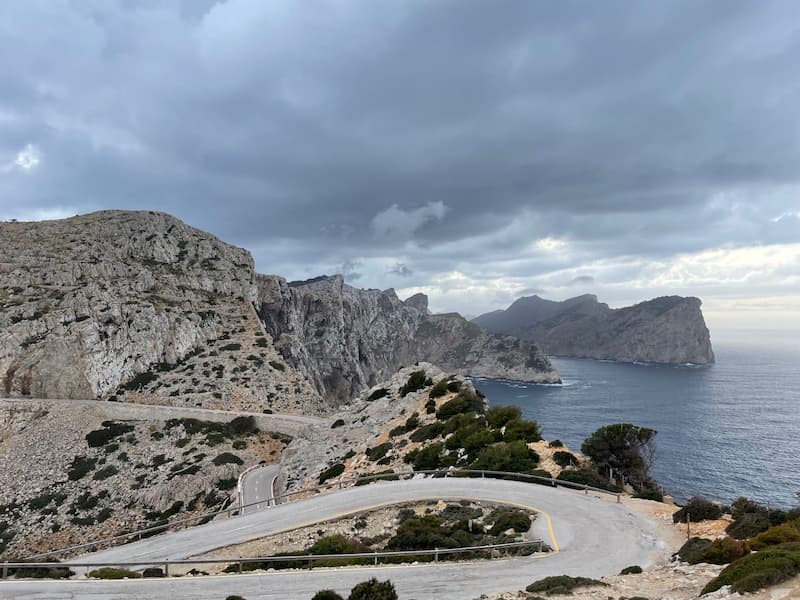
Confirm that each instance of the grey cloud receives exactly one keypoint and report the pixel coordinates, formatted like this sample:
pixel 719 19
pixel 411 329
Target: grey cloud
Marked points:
pixel 401 269
pixel 581 280
pixel 450 135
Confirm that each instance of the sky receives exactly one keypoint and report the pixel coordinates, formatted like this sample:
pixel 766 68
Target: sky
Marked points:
pixel 474 151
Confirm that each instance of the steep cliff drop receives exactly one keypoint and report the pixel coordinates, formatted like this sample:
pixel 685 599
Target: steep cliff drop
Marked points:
pixel 669 330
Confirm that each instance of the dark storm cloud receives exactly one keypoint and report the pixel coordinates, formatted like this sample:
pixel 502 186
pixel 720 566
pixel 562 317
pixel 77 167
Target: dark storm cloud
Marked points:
pixel 437 136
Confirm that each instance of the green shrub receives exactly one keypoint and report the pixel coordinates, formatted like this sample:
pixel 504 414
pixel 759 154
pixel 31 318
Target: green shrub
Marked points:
pixel 113 573
pixel 379 451
pixel 326 595
pixel 561 584
pixel 511 519
pixel 650 493
pixel 565 459
pixel 373 590
pixel 138 382
pixel 767 567
pixel 378 394
pixel 722 551
pixel 498 416
pixel 331 472
pixel 54 572
pixel 152 572
pixel 416 381
pixel 466 401
pixel 387 475
pixel 412 422
pixel 105 473
pixel 697 509
pixel 399 430
pixel 278 366
pixel 242 426
pixel 555 444
pixel 427 432
pixel 693 549
pixel 111 430
pixel 748 525
pixel 514 457
pixel 438 390
pixel 80 467
pixel 632 570
pixel 430 407
pixel 521 429
pixel 626 448
pixel 588 477
pixel 337 423
pixel 780 534
pixel 428 458
pixel 239 444
pixel 227 458
pixel 231 347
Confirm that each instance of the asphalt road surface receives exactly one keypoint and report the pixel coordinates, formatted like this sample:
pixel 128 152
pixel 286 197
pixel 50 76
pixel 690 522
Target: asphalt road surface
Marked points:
pixel 258 488
pixel 594 537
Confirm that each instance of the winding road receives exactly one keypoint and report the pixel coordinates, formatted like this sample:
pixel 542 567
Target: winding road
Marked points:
pixel 593 536
pixel 257 488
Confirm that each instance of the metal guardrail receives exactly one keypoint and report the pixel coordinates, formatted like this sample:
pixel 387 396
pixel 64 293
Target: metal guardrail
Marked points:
pixel 375 557
pixel 338 484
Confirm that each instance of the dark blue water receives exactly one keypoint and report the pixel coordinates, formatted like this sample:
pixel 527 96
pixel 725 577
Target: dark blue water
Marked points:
pixel 724 431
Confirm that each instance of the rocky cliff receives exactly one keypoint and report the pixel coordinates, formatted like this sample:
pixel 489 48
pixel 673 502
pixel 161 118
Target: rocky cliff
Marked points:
pixel 139 306
pixel 136 306
pixel 345 339
pixel 669 330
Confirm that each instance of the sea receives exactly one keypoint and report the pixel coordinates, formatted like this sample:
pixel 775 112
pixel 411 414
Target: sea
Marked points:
pixel 726 430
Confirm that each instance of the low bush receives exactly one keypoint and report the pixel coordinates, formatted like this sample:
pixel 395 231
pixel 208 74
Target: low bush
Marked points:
pixel 430 407
pixel 428 458
pixel 379 451
pixel 337 423
pixel 698 509
pixel 693 549
pixel 387 475
pixel 588 477
pixel 511 519
pixel 110 430
pixel 152 572
pixel 565 459
pixel 378 394
pixel 632 570
pixel 780 534
pixel 331 472
pixel 522 429
pixel 498 416
pixel 454 387
pixel 105 473
pixel 427 432
pixel 466 401
pixel 54 572
pixel 749 525
pixel 227 458
pixel 326 595
pixel 416 381
pixel 561 584
pixel 514 457
pixel 412 422
pixel 555 444
pixel 80 467
pixel 650 493
pixel 767 567
pixel 399 430
pixel 438 390
pixel 722 551
pixel 113 573
pixel 373 590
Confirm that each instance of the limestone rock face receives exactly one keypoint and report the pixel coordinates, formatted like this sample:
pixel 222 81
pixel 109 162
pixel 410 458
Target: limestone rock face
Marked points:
pixel 138 306
pixel 92 302
pixel 669 330
pixel 345 339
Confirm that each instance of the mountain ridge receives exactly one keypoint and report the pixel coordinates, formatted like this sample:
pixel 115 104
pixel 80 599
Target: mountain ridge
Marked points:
pixel 667 329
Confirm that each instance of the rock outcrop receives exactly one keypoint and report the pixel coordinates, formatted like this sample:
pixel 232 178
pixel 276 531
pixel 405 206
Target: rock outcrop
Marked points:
pixel 669 330
pixel 345 339
pixel 136 306
pixel 139 306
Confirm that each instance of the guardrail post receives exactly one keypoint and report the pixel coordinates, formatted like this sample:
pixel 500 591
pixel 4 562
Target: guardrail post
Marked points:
pixel 586 489
pixel 166 568
pixel 619 500
pixel 436 555
pixel 376 558
pixel 5 570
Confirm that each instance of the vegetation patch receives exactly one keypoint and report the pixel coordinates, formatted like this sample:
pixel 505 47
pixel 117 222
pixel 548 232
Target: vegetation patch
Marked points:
pixel 561 585
pixel 416 381
pixel 377 394
pixel 331 472
pixel 113 573
pixel 698 509
pixel 110 431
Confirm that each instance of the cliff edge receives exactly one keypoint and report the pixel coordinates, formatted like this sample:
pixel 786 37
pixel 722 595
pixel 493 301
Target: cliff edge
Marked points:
pixel 668 330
